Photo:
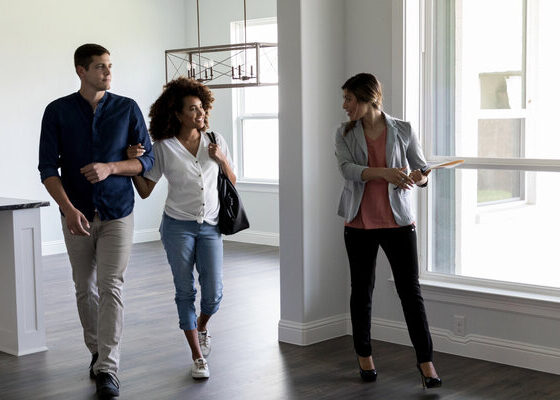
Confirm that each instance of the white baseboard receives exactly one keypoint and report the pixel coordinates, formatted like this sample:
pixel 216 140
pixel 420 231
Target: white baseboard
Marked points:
pixel 150 235
pixel 304 334
pixel 146 235
pixel 502 351
pixel 140 236
pixel 14 352
pixel 519 354
pixel 255 237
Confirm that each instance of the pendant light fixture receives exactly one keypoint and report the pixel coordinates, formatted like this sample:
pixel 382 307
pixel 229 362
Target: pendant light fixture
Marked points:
pixel 225 66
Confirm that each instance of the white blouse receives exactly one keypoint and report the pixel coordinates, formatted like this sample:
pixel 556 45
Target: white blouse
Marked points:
pixel 192 190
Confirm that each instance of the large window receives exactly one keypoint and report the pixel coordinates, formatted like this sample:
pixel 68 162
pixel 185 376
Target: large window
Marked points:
pixel 255 110
pixel 490 96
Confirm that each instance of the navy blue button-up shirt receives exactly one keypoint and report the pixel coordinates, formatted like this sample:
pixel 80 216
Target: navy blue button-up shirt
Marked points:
pixel 73 136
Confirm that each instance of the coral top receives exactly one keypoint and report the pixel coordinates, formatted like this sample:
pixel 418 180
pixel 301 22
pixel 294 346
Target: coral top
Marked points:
pixel 375 210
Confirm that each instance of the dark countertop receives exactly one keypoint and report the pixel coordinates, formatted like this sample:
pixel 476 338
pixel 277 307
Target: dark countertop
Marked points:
pixel 7 203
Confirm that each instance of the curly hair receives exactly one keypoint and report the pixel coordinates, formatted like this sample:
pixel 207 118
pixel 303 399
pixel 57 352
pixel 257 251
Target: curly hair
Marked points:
pixel 164 123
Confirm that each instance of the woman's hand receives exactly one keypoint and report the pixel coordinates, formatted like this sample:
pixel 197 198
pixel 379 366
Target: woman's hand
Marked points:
pixel 216 154
pixel 418 177
pixel 398 177
pixel 135 151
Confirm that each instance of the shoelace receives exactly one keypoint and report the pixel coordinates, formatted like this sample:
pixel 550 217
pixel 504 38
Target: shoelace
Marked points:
pixel 204 338
pixel 200 363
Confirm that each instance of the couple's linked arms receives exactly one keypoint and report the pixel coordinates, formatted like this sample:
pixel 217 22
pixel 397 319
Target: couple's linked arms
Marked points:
pixel 143 185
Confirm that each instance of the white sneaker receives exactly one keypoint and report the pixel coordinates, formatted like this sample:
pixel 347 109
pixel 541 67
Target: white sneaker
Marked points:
pixel 204 342
pixel 200 369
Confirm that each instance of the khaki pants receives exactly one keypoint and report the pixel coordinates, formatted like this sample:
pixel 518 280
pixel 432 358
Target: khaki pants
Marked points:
pixel 98 265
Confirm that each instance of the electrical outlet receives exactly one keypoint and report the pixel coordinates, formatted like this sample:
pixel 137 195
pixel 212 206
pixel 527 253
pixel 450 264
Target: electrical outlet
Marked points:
pixel 459 325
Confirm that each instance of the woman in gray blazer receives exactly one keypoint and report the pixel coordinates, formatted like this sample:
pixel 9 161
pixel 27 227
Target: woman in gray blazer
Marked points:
pixel 381 160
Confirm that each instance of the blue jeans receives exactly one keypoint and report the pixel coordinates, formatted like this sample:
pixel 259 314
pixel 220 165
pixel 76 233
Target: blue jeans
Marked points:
pixel 188 243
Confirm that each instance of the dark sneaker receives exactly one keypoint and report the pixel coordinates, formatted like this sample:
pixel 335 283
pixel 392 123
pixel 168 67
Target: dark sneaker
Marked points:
pixel 93 360
pixel 107 385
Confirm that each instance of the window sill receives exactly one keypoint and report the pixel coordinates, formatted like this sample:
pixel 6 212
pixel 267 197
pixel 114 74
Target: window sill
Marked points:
pixel 256 186
pixel 504 205
pixel 495 213
pixel 483 297
pixel 478 296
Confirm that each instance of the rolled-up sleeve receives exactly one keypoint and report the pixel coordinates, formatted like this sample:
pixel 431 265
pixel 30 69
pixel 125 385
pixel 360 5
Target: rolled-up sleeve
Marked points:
pixel 154 174
pixel 48 145
pixel 348 168
pixel 139 134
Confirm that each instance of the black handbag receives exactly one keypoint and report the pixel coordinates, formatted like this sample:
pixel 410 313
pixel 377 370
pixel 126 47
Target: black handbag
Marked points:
pixel 232 217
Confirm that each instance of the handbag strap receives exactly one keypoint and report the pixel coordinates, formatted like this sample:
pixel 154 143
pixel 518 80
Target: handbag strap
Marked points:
pixel 212 137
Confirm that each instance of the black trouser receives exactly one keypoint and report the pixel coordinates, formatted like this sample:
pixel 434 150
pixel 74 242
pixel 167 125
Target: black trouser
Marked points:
pixel 399 245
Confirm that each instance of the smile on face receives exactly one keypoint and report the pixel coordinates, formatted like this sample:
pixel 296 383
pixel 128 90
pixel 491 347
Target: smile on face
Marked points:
pixel 192 115
pixel 98 74
pixel 354 109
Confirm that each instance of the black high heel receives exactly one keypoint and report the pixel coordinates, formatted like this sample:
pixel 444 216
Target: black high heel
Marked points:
pixel 367 375
pixel 427 381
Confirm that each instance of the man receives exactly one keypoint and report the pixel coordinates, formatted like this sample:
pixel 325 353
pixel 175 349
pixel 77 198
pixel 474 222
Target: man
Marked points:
pixel 86 135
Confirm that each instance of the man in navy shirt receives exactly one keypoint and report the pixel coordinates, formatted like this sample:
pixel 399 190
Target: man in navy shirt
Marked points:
pixel 85 135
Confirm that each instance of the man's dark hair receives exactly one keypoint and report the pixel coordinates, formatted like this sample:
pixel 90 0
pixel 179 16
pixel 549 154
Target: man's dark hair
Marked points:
pixel 83 55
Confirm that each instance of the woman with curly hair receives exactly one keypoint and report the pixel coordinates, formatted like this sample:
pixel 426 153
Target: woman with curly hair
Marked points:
pixel 190 161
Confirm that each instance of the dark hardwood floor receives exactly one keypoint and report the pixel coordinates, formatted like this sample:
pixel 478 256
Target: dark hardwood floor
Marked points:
pixel 247 362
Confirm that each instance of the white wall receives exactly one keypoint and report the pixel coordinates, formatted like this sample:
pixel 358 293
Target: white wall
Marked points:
pixel 38 39
pixel 368 44
pixel 261 203
pixel 313 271
pixel 292 286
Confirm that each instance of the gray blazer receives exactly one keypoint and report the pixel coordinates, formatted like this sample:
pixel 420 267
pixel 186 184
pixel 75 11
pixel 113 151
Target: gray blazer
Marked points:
pixel 402 150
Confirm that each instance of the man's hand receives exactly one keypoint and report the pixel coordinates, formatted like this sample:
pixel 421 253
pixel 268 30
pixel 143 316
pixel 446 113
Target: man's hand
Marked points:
pixel 96 172
pixel 75 221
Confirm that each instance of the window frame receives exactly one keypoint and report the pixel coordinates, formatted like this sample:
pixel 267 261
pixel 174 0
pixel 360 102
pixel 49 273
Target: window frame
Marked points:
pixel 239 115
pixel 421 104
